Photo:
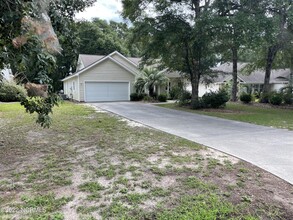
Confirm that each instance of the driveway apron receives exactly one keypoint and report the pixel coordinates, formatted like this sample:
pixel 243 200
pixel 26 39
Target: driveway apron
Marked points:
pixel 268 148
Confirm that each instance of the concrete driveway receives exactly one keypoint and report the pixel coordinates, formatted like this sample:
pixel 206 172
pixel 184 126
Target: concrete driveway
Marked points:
pixel 268 148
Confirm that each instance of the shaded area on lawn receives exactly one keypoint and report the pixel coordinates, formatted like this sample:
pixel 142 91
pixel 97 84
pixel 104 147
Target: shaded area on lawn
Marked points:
pixel 92 165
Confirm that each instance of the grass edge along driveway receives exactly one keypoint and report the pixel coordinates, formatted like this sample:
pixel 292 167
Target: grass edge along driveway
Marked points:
pixel 259 115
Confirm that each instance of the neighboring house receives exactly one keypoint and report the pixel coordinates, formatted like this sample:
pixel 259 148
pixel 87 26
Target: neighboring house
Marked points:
pixel 6 74
pixel 254 81
pixel 107 78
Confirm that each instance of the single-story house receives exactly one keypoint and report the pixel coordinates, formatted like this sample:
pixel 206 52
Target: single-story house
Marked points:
pixel 254 81
pixel 102 78
pixel 112 78
pixel 107 78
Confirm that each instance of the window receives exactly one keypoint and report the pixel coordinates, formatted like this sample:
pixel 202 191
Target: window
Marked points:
pixel 73 85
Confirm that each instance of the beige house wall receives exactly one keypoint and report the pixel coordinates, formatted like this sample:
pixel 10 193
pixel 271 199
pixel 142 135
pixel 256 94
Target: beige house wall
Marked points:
pixel 71 88
pixel 105 71
pixel 277 86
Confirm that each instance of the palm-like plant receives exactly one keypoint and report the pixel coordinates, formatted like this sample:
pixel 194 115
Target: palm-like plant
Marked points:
pixel 149 78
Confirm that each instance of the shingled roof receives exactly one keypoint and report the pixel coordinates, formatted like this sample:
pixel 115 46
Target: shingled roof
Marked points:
pixel 90 59
pixel 256 77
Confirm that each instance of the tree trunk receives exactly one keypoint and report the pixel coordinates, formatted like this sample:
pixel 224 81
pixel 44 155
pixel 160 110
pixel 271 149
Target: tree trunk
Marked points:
pixel 272 51
pixel 291 76
pixel 234 75
pixel 194 91
pixel 151 91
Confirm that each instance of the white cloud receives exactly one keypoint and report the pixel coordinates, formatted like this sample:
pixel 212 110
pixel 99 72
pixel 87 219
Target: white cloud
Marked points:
pixel 104 9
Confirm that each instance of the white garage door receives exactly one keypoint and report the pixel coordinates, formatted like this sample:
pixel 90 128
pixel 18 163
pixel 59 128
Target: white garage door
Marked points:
pixel 106 91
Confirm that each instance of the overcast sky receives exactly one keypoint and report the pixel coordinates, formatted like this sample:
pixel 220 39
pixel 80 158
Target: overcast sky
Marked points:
pixel 104 9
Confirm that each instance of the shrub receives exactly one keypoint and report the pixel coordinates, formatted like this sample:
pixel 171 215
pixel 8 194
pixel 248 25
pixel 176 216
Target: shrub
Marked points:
pixel 11 92
pixel 184 97
pixel 215 99
pixel 154 95
pixel 276 99
pixel 142 95
pixel 245 98
pixel 198 104
pixel 147 98
pixel 288 98
pixel 162 98
pixel 175 92
pixel 265 97
pixel 134 97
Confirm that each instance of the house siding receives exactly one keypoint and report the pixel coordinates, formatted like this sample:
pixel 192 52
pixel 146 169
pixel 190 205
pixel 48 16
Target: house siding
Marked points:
pixel 124 62
pixel 105 71
pixel 71 88
pixel 203 89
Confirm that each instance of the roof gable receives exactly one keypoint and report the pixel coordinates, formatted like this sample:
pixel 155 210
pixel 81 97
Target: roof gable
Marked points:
pixel 87 59
pixel 90 58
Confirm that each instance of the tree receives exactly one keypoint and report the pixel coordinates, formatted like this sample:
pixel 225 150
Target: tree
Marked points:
pixel 275 33
pixel 29 45
pixel 150 78
pixel 236 24
pixel 101 38
pixel 177 33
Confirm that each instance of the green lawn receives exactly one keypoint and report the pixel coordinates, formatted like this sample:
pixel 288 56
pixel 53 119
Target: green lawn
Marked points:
pixel 268 116
pixel 93 165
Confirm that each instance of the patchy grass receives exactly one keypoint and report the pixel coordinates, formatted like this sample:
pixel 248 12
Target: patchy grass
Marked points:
pixel 91 187
pixel 93 165
pixel 260 115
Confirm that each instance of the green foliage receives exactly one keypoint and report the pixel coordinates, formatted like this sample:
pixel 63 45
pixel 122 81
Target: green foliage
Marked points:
pixel 175 92
pixel 101 38
pixel 203 206
pixel 135 198
pixel 48 201
pixel 180 39
pixel 136 97
pixel 184 97
pixel 42 106
pixel 245 98
pixel 149 78
pixel 264 97
pixel 32 59
pixel 46 206
pixel 11 92
pixel 288 98
pixel 215 99
pixel 148 98
pixel 91 187
pixel 162 98
pixel 276 99
pixel 287 95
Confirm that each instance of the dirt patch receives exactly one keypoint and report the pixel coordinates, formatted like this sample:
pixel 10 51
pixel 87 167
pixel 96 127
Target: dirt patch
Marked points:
pixel 222 157
pixel 132 123
pixel 126 168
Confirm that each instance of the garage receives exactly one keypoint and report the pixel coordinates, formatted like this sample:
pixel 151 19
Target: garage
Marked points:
pixel 102 78
pixel 106 91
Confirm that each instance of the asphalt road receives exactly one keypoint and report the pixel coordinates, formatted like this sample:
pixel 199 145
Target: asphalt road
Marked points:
pixel 268 148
